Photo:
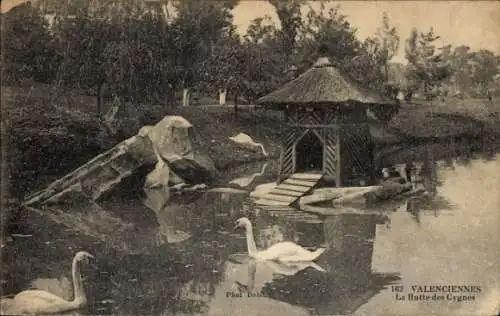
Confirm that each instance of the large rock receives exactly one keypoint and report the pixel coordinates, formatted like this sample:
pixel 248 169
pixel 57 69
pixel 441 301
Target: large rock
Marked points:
pixel 172 142
pixel 168 144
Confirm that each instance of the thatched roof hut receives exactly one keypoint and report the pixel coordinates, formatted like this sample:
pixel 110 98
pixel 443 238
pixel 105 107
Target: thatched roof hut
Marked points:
pixel 327 126
pixel 322 85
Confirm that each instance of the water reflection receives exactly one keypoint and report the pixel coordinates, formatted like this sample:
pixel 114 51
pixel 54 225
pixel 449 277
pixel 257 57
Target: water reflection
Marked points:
pixel 192 270
pixel 247 180
pixel 349 281
pixel 157 200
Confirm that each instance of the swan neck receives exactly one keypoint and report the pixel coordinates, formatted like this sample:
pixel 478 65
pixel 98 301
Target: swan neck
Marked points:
pixel 251 275
pixel 264 152
pixel 77 283
pixel 252 248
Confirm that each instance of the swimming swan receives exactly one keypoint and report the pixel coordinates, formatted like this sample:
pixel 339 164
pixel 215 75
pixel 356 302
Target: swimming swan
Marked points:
pixel 284 251
pixel 43 302
pixel 246 141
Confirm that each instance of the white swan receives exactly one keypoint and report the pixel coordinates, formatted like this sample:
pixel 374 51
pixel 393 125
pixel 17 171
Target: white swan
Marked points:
pixel 286 251
pixel 246 181
pixel 246 141
pixel 43 302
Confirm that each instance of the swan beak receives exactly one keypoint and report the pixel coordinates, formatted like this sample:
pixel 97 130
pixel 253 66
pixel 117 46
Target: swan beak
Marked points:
pixel 235 227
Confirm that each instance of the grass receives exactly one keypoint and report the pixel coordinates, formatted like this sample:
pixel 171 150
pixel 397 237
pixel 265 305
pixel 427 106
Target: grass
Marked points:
pixel 48 135
pixel 451 117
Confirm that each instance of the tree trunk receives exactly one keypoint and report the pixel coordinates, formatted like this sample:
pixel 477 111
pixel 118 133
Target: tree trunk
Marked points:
pixel 236 104
pixel 386 67
pixel 99 100
pixel 222 96
pixel 185 97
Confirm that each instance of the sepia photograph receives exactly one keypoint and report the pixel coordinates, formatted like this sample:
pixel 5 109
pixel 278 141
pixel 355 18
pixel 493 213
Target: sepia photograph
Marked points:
pixel 250 157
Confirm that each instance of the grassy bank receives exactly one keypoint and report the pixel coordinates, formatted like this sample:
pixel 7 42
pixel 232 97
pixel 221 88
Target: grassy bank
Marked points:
pixel 48 135
pixel 447 118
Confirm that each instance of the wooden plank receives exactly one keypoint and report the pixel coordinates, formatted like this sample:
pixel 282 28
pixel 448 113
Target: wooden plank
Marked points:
pixel 307 176
pixel 271 203
pixel 336 211
pixel 292 187
pixel 286 192
pixel 279 208
pixel 327 194
pixel 281 198
pixel 300 182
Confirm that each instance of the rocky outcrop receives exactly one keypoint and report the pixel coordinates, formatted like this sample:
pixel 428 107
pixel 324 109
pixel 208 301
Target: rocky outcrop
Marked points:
pixel 172 143
pixel 168 144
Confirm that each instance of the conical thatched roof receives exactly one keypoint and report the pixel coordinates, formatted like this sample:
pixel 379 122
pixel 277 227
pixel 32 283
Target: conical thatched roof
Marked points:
pixel 323 85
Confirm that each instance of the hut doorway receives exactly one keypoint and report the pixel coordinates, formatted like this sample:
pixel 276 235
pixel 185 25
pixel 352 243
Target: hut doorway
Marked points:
pixel 309 153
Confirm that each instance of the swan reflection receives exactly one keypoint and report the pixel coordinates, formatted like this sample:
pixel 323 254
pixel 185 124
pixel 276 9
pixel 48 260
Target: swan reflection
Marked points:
pixel 247 180
pixel 157 200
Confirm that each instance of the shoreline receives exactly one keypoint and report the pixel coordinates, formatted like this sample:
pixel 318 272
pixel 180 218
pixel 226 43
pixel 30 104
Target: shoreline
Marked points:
pixel 44 140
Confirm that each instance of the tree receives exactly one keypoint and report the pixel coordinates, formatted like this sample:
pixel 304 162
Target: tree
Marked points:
pixel 261 65
pixel 260 29
pixel 484 69
pixel 426 67
pixel 223 68
pixel 461 69
pixel 290 17
pixel 197 26
pixel 388 41
pixel 28 48
pixel 329 28
pixel 382 48
pixel 82 43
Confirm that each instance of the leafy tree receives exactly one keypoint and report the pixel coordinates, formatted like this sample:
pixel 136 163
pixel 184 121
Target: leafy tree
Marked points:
pixel 260 29
pixel 261 63
pixel 461 68
pixel 382 48
pixel 426 67
pixel 139 63
pixel 28 49
pixel 484 69
pixel 197 26
pixel 388 41
pixel 329 28
pixel 290 17
pixel 82 45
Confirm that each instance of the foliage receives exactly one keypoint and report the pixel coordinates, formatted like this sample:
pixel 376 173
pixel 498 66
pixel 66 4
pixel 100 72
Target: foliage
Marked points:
pixel 28 50
pixel 144 56
pixel 82 51
pixel 484 69
pixel 289 14
pixel 426 67
pixel 381 49
pixel 329 28
pixel 139 61
pixel 196 29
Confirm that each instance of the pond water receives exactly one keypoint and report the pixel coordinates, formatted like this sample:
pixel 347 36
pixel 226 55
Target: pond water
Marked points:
pixel 159 253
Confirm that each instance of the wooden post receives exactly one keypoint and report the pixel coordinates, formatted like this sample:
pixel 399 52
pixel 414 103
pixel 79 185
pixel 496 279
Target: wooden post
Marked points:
pixel 185 97
pixel 280 166
pixel 222 96
pixel 338 169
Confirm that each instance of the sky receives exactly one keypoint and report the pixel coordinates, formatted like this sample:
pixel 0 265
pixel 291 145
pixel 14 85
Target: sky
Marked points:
pixel 472 23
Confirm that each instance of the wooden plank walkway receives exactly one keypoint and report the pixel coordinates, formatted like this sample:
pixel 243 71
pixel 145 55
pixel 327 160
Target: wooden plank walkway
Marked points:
pixel 290 190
